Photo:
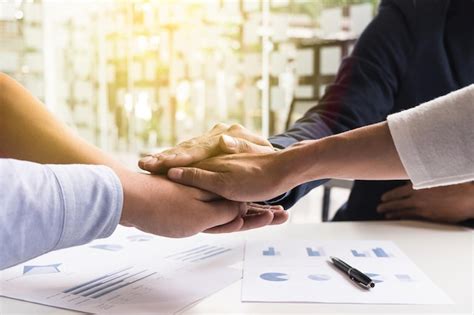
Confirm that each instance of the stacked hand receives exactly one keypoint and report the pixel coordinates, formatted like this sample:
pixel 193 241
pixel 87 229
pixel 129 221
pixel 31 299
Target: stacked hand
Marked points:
pixel 222 139
pixel 184 211
pixel 214 151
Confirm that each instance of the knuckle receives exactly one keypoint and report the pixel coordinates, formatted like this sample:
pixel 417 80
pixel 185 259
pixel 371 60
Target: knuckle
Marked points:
pixel 207 143
pixel 188 143
pixel 193 176
pixel 244 146
pixel 235 128
pixel 220 126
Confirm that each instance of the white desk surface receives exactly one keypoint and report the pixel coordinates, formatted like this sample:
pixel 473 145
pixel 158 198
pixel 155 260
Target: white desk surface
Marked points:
pixel 445 253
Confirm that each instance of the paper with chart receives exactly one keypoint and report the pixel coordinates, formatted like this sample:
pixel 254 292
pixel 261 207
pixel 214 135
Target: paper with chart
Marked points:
pixel 130 272
pixel 299 271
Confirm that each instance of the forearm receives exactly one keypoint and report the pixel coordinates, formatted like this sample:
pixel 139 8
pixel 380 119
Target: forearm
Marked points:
pixel 28 131
pixel 364 153
pixel 48 207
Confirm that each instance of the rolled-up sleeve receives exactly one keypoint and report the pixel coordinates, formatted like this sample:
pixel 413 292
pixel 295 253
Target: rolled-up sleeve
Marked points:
pixel 48 207
pixel 435 141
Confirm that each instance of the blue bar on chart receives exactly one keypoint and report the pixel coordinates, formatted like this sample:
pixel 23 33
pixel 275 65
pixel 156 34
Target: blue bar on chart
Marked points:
pixel 355 253
pixel 314 252
pixel 41 269
pixel 87 284
pixel 379 252
pixel 199 253
pixel 270 252
pixel 108 283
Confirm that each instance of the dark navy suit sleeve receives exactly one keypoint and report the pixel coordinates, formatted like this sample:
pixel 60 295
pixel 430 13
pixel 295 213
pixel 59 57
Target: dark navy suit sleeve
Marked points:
pixel 365 87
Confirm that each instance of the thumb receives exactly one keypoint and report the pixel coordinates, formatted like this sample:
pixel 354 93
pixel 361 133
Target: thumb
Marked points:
pixel 231 145
pixel 225 213
pixel 195 177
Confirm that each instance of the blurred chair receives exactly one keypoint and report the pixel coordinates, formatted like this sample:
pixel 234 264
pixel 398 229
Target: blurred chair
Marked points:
pixel 328 186
pixel 317 79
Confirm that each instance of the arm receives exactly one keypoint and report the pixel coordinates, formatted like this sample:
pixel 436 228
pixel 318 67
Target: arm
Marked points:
pixel 42 207
pixel 434 143
pixel 152 203
pixel 365 87
pixel 248 177
pixel 367 81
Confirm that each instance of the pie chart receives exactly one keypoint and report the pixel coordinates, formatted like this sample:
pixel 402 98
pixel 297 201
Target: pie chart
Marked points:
pixel 274 276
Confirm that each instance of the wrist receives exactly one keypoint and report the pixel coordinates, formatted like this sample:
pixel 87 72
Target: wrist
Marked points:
pixel 314 159
pixel 299 163
pixel 130 187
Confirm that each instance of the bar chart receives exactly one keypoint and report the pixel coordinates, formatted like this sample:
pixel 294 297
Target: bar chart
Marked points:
pixel 270 252
pixel 319 252
pixel 199 253
pixel 109 283
pixel 300 271
pixel 129 273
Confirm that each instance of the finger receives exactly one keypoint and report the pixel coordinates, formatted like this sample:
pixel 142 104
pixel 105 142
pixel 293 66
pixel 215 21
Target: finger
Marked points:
pixel 398 193
pixel 223 212
pixel 182 155
pixel 219 129
pixel 230 145
pixel 280 216
pixel 394 205
pixel 255 218
pixel 198 178
pixel 240 132
pixel 230 227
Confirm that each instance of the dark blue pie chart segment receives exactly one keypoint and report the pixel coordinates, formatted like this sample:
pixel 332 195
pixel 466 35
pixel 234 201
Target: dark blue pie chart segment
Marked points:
pixel 274 276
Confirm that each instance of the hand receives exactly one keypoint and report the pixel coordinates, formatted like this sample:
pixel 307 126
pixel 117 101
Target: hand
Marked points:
pixel 155 205
pixel 443 204
pixel 241 177
pixel 257 216
pixel 222 139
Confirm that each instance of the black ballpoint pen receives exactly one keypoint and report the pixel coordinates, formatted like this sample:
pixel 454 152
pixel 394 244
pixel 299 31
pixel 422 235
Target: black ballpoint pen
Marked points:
pixel 354 274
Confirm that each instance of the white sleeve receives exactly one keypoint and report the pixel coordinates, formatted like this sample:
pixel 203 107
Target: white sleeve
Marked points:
pixel 435 140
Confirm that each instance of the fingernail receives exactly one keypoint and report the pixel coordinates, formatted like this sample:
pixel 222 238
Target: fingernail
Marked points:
pixel 229 141
pixel 175 173
pixel 147 159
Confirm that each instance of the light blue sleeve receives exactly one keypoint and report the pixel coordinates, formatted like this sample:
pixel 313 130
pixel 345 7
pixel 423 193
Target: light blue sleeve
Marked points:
pixel 48 207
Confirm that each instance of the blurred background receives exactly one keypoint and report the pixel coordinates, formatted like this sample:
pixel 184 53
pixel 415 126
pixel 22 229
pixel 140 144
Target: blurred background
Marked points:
pixel 135 76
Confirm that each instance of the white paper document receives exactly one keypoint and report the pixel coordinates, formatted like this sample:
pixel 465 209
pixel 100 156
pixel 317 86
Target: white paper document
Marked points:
pixel 300 271
pixel 131 272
